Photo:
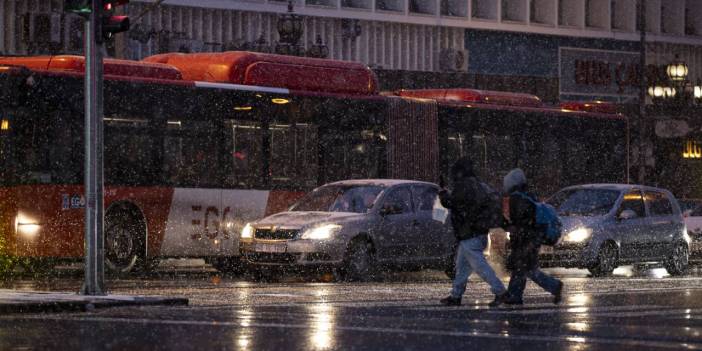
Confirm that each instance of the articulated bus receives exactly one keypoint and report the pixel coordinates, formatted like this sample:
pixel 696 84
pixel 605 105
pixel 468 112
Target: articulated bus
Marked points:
pixel 197 145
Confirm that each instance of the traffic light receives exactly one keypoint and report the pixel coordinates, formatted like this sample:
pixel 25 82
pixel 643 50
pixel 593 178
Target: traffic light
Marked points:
pixel 112 24
pixel 77 6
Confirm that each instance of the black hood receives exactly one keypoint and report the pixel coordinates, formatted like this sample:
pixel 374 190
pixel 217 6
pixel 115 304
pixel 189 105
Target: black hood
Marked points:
pixel 462 168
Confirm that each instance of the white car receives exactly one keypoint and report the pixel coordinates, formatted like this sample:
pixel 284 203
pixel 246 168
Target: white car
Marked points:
pixel 356 226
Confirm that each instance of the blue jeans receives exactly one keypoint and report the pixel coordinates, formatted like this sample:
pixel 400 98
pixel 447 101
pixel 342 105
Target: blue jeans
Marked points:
pixel 469 258
pixel 517 282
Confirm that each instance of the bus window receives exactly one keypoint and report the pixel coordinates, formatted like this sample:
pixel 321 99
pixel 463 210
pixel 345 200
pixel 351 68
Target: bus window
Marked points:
pixel 66 152
pixel 45 147
pixel 293 144
pixel 499 156
pixel 128 151
pixel 354 154
pixel 243 154
pixel 5 144
pixel 458 144
pixel 293 154
pixel 191 154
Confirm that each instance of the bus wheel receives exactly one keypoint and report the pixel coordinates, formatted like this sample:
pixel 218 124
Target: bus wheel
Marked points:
pixel 124 239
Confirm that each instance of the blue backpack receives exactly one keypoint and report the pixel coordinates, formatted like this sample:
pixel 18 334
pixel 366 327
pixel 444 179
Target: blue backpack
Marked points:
pixel 546 220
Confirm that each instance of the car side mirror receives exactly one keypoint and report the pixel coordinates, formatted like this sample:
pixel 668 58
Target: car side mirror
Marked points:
pixel 687 213
pixel 627 214
pixel 390 209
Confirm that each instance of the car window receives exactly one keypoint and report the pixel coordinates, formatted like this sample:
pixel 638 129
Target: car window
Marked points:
pixel 633 201
pixel 400 198
pixel 424 198
pixel 658 203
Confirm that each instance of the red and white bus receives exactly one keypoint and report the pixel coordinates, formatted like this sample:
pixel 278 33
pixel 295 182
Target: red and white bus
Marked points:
pixel 196 145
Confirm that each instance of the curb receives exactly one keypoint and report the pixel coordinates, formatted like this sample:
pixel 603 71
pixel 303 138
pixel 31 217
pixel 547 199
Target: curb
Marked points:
pixel 47 304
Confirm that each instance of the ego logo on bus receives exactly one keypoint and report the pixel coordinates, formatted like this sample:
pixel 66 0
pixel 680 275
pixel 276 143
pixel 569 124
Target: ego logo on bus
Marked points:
pixel 210 224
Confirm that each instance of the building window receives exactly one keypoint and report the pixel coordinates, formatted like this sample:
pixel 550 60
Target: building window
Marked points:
pixel 389 5
pixel 484 9
pixel 542 11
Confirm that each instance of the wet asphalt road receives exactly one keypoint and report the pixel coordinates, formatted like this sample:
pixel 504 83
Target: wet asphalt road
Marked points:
pixel 642 311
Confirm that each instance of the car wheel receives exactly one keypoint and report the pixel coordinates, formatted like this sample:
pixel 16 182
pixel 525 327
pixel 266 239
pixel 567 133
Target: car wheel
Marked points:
pixel 124 240
pixel 678 261
pixel 606 261
pixel 358 265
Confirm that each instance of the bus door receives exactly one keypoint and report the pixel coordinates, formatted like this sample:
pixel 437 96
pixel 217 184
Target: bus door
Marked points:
pixel 244 197
pixel 191 166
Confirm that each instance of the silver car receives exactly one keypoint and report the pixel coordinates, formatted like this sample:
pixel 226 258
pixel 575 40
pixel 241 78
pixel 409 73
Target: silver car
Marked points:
pixel 356 226
pixel 607 225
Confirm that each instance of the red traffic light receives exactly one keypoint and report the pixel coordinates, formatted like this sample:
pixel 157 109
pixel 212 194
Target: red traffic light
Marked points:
pixel 113 24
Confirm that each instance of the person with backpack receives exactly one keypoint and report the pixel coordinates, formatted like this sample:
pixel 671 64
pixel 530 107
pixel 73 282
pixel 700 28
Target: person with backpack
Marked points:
pixel 531 223
pixel 473 212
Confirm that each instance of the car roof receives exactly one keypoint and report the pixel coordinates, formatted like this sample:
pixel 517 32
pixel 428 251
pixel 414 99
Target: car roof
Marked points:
pixel 618 187
pixel 379 182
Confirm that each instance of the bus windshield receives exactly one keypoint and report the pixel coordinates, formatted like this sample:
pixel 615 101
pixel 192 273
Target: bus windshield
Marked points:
pixel 339 198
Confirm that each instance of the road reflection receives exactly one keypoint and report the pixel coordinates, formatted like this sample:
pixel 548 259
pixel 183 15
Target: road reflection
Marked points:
pixel 322 326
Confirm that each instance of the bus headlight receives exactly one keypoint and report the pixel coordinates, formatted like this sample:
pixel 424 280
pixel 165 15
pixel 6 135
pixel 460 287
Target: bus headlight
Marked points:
pixel 247 232
pixel 321 232
pixel 579 235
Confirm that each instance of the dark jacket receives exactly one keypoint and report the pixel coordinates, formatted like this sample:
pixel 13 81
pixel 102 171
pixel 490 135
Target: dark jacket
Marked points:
pixel 465 201
pixel 525 239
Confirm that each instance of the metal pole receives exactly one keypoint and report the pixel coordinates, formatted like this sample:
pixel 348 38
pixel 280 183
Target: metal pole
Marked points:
pixel 642 93
pixel 94 238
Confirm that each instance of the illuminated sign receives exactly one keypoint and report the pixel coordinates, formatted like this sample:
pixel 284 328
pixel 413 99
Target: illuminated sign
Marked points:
pixel 594 72
pixel 692 150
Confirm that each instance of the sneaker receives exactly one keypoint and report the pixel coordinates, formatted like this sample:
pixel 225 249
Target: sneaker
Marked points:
pixel 450 301
pixel 499 299
pixel 557 296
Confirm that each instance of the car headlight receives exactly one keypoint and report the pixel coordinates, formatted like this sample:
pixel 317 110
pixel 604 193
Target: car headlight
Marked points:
pixel 247 232
pixel 579 235
pixel 321 232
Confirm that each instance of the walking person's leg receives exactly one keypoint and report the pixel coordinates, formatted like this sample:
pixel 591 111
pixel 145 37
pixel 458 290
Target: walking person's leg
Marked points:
pixel 463 271
pixel 547 282
pixel 515 289
pixel 479 264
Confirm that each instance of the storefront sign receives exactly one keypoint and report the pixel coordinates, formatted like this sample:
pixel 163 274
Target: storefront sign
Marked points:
pixel 692 149
pixel 598 72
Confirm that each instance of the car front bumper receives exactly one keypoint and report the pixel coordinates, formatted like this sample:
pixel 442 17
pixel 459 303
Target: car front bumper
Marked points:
pixel 293 252
pixel 566 255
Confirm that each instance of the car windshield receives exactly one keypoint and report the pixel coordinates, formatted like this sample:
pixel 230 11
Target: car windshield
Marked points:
pixel 584 202
pixel 339 198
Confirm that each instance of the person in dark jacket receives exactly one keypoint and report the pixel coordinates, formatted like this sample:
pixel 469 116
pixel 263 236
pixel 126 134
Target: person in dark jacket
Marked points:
pixel 525 241
pixel 465 203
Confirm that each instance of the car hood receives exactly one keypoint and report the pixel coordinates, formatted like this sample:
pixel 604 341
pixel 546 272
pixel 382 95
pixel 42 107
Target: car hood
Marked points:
pixel 299 219
pixel 571 223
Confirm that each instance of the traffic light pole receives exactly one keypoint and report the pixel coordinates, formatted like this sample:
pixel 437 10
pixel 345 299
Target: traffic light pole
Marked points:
pixel 94 205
